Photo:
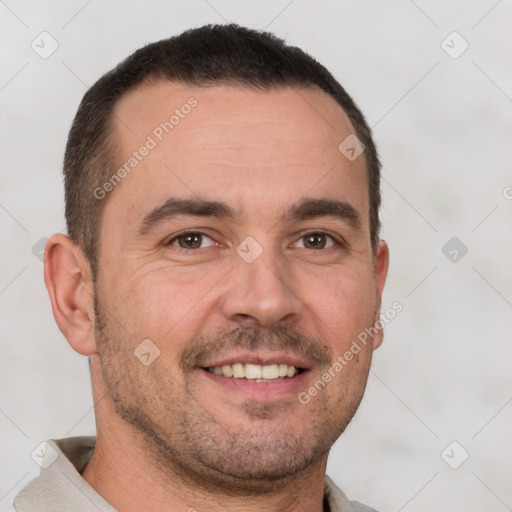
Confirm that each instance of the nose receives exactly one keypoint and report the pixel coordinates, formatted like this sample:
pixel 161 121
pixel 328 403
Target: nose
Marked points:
pixel 261 292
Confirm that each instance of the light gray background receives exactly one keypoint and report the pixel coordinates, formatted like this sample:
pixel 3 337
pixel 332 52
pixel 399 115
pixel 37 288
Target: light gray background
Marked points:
pixel 443 127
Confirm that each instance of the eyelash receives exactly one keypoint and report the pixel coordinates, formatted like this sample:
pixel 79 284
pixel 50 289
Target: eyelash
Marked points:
pixel 337 240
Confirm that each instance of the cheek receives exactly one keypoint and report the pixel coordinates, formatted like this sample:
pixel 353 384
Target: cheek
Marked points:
pixel 343 302
pixel 165 304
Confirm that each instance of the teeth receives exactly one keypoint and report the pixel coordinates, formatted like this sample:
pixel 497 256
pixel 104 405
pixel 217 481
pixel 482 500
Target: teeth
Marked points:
pixel 252 371
pixel 238 370
pixel 227 370
pixel 271 371
pixel 255 372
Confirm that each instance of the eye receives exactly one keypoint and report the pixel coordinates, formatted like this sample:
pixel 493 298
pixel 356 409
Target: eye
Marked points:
pixel 315 241
pixel 191 240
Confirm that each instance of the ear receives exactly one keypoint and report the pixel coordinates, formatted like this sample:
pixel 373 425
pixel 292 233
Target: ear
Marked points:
pixel 68 279
pixel 381 265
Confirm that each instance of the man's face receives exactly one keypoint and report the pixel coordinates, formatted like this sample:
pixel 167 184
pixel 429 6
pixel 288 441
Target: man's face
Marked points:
pixel 261 254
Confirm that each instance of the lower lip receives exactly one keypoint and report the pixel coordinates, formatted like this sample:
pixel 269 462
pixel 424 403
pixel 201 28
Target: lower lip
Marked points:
pixel 264 391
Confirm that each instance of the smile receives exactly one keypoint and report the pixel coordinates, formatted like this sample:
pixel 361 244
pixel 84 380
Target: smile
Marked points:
pixel 257 372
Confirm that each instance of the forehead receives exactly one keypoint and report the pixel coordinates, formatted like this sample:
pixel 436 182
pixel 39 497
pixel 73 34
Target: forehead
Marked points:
pixel 232 143
pixel 237 114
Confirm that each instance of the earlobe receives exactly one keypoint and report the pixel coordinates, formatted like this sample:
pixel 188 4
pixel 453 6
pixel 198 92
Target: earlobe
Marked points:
pixel 68 279
pixel 380 272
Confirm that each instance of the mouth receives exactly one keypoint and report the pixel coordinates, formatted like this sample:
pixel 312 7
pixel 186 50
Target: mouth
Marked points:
pixel 257 376
pixel 258 373
pixel 261 377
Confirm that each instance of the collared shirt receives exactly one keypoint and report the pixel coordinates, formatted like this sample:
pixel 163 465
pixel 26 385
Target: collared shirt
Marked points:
pixel 60 487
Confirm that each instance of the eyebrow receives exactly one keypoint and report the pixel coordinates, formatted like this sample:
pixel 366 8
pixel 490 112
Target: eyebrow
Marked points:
pixel 174 207
pixel 303 210
pixel 341 210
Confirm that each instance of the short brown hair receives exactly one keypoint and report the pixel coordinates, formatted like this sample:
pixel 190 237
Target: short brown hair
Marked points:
pixel 209 55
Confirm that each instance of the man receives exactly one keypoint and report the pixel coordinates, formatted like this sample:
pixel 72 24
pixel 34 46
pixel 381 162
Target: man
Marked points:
pixel 222 197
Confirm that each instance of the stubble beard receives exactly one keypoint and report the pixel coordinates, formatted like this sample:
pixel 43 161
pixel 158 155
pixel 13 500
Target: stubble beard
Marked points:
pixel 181 439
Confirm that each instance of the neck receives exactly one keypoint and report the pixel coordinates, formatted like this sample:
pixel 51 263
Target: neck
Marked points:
pixel 121 474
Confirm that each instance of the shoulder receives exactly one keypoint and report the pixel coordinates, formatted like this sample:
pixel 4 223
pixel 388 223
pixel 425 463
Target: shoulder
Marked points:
pixel 338 501
pixel 30 498
pixel 359 507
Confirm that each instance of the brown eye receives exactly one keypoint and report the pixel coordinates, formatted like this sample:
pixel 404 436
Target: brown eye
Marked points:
pixel 315 241
pixel 191 241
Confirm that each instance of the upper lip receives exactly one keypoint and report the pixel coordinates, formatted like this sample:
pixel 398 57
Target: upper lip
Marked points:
pixel 261 358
